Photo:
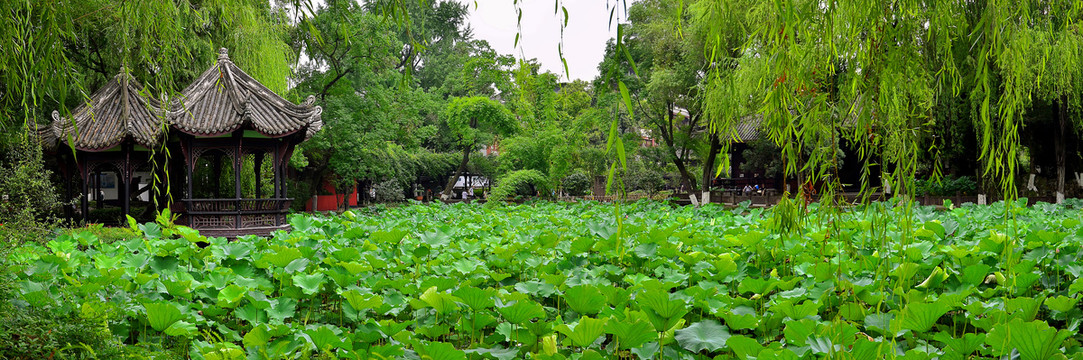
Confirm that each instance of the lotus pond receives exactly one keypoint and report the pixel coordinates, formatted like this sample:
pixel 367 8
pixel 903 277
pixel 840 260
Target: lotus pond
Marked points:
pixel 568 281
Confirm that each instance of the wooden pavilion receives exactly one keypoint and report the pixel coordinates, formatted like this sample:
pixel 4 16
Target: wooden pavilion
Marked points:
pixel 225 123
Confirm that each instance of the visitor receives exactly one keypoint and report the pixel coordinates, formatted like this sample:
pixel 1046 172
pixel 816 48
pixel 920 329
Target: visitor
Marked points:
pixel 747 190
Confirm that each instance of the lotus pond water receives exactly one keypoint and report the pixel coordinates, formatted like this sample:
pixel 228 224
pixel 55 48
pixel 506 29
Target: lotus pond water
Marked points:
pixel 569 281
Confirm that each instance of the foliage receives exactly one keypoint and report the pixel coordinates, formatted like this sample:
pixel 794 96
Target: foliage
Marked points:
pixel 642 178
pixel 29 200
pixel 521 183
pixel 762 155
pixel 548 278
pixel 389 191
pixel 576 184
pixel 947 186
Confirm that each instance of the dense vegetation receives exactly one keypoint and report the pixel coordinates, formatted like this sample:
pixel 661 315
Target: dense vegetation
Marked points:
pixel 554 281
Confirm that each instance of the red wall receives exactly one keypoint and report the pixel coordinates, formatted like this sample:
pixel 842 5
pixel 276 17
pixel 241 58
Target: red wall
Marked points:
pixel 330 202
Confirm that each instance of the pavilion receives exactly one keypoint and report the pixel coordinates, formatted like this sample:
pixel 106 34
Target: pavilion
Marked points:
pixel 225 124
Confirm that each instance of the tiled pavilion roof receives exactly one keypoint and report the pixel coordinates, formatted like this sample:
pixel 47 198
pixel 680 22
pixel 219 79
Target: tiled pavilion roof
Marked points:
pixel 225 98
pixel 221 100
pixel 113 113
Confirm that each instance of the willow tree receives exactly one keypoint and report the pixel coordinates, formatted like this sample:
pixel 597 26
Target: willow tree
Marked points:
pixel 870 72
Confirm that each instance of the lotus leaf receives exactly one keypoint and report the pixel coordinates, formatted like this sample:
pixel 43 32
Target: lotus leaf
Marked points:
pixel 583 333
pixel 706 335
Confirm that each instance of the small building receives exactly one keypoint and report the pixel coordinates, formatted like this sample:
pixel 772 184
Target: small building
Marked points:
pixel 225 125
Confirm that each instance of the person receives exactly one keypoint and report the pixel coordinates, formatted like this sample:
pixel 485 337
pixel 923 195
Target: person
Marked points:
pixel 757 189
pixel 747 190
pixel 470 192
pixel 464 195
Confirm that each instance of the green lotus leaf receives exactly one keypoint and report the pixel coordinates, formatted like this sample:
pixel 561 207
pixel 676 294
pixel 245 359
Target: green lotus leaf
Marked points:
pixel 521 311
pixel 494 353
pixel 439 351
pixel 585 299
pixel 360 301
pixel 934 279
pixel 442 302
pixel 796 312
pixel 325 338
pixel 921 316
pixel 663 310
pixel 230 296
pixel 743 346
pixel 259 336
pixel 296 266
pixel 391 236
pixel 1024 307
pixel 583 333
pixel 309 283
pixel 281 309
pixel 161 315
pixel 182 328
pixel 236 250
pixel 475 298
pixel 281 256
pixel 741 317
pixel 347 254
pixel 1034 340
pixel 706 335
pixel 251 313
pixel 631 333
pixel 466 266
pixel 1061 303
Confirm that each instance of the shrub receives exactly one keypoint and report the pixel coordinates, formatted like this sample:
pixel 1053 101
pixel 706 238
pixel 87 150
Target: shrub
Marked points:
pixel 389 191
pixel 576 184
pixel 645 180
pixel 27 196
pixel 947 186
pixel 521 183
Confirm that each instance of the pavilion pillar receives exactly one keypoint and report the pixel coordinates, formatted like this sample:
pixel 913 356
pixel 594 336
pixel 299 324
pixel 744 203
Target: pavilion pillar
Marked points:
pixel 98 195
pixel 84 201
pixel 238 158
pixel 274 170
pixel 259 171
pixel 126 194
pixel 216 173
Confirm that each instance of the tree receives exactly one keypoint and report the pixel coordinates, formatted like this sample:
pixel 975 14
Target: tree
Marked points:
pixel 473 121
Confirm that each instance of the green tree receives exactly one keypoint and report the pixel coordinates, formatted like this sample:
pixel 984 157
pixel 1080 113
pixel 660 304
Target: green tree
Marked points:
pixel 474 121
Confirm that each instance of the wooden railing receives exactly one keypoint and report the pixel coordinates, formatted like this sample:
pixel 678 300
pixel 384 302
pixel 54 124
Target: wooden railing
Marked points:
pixel 235 217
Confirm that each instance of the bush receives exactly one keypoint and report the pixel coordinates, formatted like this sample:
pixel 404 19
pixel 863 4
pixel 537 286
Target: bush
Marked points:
pixel 27 196
pixel 648 181
pixel 947 186
pixel 389 191
pixel 521 183
pixel 576 184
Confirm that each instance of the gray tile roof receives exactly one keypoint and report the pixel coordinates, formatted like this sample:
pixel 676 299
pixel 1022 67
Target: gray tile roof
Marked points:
pixel 113 113
pixel 225 98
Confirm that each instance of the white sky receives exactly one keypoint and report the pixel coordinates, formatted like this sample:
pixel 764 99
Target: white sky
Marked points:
pixel 584 38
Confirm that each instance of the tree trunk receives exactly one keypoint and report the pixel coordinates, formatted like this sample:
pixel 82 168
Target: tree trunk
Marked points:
pixel 667 129
pixel 458 172
pixel 708 165
pixel 1059 144
pixel 688 178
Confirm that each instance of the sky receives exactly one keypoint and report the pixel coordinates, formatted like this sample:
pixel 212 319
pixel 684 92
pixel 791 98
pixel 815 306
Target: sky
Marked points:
pixel 584 38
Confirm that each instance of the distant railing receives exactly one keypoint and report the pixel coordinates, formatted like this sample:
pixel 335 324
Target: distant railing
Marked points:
pixel 234 217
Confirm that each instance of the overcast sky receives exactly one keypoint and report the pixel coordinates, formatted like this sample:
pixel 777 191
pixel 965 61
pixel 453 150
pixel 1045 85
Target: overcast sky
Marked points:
pixel 584 38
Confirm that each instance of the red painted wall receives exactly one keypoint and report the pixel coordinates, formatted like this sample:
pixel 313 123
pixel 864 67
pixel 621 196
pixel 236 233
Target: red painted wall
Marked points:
pixel 330 202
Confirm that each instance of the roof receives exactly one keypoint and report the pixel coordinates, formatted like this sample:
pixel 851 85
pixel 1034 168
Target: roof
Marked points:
pixel 225 98
pixel 113 113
